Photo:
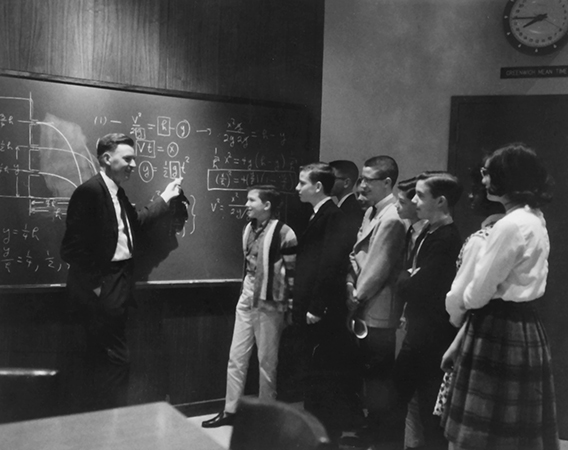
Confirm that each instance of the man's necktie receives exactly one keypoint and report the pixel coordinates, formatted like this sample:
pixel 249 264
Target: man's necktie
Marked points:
pixel 373 212
pixel 418 244
pixel 409 244
pixel 122 200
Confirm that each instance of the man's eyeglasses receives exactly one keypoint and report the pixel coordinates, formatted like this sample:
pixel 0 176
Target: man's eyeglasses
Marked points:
pixel 484 171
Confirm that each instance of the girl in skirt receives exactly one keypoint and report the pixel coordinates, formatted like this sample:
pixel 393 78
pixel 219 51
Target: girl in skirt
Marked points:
pixel 502 394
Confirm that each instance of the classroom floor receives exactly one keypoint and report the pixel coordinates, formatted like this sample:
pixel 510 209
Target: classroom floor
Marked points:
pixel 222 435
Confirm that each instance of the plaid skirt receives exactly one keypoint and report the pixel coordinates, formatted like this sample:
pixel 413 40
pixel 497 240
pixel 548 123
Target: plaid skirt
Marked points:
pixel 502 393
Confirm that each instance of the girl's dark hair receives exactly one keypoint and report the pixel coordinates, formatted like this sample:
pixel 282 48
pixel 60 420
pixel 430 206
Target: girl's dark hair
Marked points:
pixel 517 172
pixel 479 202
pixel 268 193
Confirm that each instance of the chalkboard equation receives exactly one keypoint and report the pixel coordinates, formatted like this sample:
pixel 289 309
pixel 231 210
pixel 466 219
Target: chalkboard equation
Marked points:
pixel 48 134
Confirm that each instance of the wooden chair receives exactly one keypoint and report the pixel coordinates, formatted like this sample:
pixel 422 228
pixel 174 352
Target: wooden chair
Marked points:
pixel 262 425
pixel 27 394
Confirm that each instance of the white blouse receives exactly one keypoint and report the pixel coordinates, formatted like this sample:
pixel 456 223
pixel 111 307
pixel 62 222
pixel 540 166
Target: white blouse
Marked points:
pixel 513 264
pixel 466 268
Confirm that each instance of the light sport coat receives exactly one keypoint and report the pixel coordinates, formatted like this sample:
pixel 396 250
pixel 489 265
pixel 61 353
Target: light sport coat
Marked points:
pixel 375 264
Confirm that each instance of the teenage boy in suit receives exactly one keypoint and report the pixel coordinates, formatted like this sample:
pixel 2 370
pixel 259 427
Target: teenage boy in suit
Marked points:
pixel 99 243
pixel 319 298
pixel 375 263
pixel 414 431
pixel 406 210
pixel 433 269
pixel 346 175
pixel 269 248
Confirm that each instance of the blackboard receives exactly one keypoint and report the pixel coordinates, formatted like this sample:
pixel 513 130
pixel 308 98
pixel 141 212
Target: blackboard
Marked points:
pixel 480 124
pixel 221 146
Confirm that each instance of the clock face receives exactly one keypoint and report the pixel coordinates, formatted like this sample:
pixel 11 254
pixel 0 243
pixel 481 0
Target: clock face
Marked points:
pixel 536 27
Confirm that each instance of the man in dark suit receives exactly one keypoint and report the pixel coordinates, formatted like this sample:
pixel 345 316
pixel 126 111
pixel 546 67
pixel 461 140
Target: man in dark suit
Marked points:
pixel 99 243
pixel 346 175
pixel 319 297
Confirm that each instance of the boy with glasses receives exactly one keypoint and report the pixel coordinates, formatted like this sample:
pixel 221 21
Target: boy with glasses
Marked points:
pixel 375 263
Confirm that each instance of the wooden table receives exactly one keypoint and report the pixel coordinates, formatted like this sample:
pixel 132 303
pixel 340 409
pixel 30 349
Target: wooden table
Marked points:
pixel 154 426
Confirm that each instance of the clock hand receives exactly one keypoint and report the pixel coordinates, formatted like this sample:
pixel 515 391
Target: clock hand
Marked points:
pixel 552 23
pixel 523 17
pixel 538 18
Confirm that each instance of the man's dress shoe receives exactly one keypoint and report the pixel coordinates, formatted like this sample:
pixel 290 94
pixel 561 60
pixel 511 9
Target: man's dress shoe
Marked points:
pixel 221 419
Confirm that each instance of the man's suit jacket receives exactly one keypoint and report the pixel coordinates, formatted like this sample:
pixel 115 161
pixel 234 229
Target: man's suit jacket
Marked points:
pixel 353 213
pixel 321 267
pixel 376 261
pixel 92 231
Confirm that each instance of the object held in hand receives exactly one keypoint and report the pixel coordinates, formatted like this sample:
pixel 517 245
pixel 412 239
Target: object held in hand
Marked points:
pixel 359 327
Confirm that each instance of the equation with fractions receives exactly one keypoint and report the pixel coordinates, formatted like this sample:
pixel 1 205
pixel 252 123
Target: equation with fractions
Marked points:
pixel 237 136
pixel 242 180
pixel 16 257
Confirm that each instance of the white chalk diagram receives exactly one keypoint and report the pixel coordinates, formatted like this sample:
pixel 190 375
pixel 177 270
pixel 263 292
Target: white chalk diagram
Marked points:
pixel 41 169
pixel 58 161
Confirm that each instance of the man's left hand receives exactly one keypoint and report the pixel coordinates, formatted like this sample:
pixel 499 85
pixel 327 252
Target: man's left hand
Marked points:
pixel 172 190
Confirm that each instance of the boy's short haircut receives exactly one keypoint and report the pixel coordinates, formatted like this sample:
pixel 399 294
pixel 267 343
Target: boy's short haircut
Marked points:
pixel 408 187
pixel 268 193
pixel 321 172
pixel 346 169
pixel 385 166
pixel 443 183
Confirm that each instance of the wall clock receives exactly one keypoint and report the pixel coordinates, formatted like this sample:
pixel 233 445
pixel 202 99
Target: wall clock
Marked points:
pixel 536 27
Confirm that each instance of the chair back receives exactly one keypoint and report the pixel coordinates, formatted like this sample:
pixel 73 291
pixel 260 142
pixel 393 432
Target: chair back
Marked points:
pixel 262 425
pixel 27 394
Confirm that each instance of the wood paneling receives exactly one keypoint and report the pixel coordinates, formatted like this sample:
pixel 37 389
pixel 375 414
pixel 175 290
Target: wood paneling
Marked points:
pixel 179 341
pixel 260 49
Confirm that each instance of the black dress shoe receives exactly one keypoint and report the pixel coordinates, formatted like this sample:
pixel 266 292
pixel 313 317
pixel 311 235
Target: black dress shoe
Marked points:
pixel 221 419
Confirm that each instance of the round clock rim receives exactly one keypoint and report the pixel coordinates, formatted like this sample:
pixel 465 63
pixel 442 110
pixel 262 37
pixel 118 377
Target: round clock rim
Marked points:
pixel 522 47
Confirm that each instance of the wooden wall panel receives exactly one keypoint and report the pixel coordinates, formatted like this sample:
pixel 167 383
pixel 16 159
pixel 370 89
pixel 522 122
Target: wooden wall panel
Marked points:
pixel 189 46
pixel 126 41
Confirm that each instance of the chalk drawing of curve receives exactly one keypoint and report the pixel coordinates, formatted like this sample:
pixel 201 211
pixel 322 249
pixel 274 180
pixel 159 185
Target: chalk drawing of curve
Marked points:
pixel 63 157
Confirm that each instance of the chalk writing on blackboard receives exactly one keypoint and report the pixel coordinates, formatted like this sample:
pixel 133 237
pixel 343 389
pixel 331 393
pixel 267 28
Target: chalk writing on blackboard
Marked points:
pixel 48 134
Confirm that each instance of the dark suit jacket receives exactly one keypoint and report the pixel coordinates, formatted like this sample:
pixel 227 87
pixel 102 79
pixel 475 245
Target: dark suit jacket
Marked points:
pixel 92 231
pixel 353 213
pixel 321 267
pixel 425 292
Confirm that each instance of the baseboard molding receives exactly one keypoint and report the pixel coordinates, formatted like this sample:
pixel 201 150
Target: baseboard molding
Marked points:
pixel 201 408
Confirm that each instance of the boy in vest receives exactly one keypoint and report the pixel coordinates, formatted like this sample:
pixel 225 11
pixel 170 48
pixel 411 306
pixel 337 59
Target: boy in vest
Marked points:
pixel 269 248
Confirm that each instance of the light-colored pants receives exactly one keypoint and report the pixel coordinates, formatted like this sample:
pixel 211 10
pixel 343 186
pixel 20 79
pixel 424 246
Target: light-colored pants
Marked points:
pixel 253 325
